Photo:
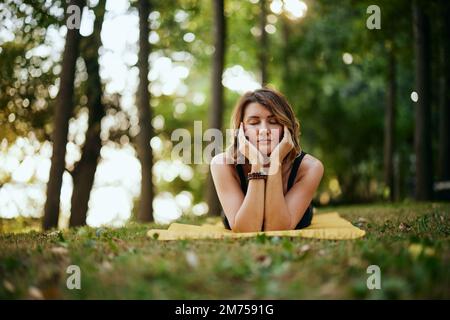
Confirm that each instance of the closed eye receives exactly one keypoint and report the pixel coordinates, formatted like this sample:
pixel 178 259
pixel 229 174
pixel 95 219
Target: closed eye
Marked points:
pixel 271 121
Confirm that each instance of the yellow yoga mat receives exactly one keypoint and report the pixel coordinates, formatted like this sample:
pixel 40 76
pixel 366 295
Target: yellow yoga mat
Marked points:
pixel 323 226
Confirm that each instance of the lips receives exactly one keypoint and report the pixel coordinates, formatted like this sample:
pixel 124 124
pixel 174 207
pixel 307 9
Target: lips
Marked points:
pixel 264 141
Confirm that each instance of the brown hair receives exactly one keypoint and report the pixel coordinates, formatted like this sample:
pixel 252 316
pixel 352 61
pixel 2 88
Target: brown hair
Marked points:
pixel 275 102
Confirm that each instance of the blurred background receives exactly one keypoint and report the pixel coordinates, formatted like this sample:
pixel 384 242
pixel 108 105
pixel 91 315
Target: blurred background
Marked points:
pixel 83 110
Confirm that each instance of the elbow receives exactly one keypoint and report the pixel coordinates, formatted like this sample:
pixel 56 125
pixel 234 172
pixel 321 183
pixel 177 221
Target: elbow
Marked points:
pixel 278 229
pixel 320 169
pixel 243 227
pixel 281 227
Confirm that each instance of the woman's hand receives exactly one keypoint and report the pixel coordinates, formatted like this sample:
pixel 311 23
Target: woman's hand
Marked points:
pixel 281 151
pixel 249 150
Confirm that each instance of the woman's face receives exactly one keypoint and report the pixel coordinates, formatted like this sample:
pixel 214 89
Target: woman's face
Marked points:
pixel 261 127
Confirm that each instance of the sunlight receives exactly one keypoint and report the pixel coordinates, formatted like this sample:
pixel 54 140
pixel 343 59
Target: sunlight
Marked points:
pixel 87 22
pixel 237 79
pixel 347 58
pixel 200 209
pixel 165 208
pixel 166 76
pixel 276 6
pixel 117 183
pixel 111 207
pixel 24 171
pixel 120 34
pixel 184 200
pixel 294 9
pixel 168 170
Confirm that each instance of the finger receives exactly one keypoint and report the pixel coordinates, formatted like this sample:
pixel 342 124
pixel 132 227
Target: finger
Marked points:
pixel 259 157
pixel 285 132
pixel 266 159
pixel 241 130
pixel 242 140
pixel 287 135
pixel 241 133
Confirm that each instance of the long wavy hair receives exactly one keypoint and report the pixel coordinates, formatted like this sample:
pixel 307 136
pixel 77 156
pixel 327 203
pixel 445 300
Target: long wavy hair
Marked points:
pixel 276 103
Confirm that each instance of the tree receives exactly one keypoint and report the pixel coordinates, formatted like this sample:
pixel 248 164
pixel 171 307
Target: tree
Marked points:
pixel 444 94
pixel 263 47
pixel 389 121
pixel 145 134
pixel 217 105
pixel 84 170
pixel 63 111
pixel 286 53
pixel 422 135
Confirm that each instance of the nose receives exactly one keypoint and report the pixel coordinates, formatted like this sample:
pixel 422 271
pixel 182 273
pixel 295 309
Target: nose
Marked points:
pixel 263 131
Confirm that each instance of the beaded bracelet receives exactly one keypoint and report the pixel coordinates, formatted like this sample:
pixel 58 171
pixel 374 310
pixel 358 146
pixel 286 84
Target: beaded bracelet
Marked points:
pixel 256 175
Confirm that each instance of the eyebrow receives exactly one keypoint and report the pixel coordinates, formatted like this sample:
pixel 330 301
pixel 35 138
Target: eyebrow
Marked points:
pixel 257 117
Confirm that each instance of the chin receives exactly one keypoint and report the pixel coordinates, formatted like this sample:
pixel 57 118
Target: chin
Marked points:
pixel 266 151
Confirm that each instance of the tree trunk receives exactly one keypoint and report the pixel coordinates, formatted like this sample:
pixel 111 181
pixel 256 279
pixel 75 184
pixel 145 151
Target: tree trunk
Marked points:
pixel 84 172
pixel 63 111
pixel 286 71
pixel 422 134
pixel 444 96
pixel 145 134
pixel 263 42
pixel 389 123
pixel 217 106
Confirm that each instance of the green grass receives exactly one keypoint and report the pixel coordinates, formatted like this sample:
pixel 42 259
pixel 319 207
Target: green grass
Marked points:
pixel 409 242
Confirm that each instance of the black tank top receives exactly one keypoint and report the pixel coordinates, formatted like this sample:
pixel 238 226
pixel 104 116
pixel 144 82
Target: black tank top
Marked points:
pixel 307 217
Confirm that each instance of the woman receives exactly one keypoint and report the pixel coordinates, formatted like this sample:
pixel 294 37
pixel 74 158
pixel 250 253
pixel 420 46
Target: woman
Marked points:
pixel 273 187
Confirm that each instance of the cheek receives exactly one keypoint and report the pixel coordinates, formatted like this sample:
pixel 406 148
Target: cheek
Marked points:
pixel 252 135
pixel 276 136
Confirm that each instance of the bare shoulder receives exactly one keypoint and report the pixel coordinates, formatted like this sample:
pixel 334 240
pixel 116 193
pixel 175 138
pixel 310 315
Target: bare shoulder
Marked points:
pixel 223 167
pixel 310 165
pixel 221 159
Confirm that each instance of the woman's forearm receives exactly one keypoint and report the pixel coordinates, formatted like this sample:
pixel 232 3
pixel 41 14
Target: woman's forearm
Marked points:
pixel 250 216
pixel 276 213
